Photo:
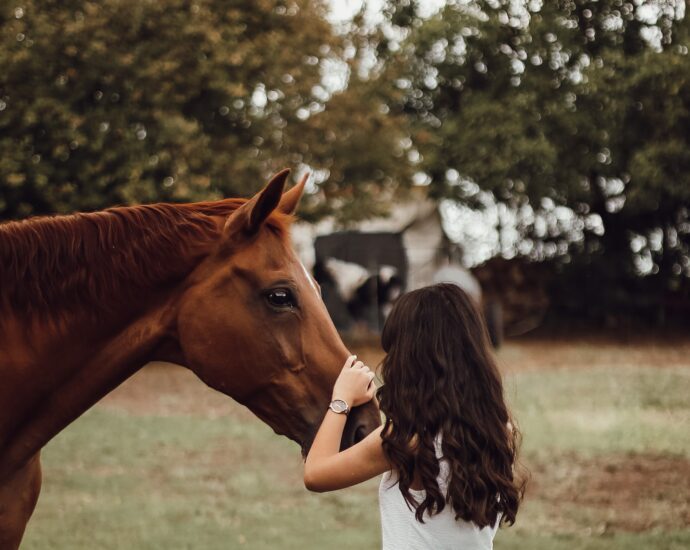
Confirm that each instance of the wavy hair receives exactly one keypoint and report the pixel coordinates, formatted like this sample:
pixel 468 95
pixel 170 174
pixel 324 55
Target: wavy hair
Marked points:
pixel 440 378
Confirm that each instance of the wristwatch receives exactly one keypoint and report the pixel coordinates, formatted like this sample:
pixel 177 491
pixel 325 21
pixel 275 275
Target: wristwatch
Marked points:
pixel 339 406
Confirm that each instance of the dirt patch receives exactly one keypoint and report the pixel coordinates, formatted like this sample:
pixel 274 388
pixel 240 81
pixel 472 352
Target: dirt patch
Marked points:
pixel 616 493
pixel 531 354
pixel 163 389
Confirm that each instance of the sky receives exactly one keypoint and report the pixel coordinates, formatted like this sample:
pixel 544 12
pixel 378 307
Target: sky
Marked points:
pixel 343 10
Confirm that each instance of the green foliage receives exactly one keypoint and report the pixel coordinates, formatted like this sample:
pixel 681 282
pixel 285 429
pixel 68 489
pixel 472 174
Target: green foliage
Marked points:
pixel 608 409
pixel 583 103
pixel 361 144
pixel 126 101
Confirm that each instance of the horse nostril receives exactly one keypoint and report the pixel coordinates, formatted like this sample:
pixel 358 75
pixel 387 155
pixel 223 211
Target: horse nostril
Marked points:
pixel 361 422
pixel 354 433
pixel 360 433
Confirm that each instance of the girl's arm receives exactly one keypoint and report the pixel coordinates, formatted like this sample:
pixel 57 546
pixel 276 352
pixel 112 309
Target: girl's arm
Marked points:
pixel 327 469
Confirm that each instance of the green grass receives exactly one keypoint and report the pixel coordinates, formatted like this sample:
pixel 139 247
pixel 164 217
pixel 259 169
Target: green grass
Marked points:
pixel 181 482
pixel 603 410
pixel 119 480
pixel 621 541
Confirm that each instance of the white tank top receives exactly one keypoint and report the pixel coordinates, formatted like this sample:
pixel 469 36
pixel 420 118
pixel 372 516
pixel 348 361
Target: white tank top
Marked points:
pixel 401 531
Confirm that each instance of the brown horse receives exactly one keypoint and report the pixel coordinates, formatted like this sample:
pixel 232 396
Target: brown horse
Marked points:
pixel 87 299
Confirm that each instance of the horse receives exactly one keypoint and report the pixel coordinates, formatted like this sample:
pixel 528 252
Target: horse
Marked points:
pixel 88 299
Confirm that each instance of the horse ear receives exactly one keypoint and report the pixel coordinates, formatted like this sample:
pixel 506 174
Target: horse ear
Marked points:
pixel 290 199
pixel 248 218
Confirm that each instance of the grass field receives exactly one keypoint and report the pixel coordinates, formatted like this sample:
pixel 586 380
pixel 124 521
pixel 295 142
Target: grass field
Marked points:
pixel 164 462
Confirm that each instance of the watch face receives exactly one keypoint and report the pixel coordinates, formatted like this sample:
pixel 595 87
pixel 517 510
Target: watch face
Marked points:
pixel 338 405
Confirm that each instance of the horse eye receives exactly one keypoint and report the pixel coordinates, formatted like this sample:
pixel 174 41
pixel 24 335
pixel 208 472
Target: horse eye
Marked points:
pixel 281 298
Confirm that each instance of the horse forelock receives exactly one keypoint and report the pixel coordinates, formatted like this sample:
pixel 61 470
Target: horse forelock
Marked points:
pixel 88 261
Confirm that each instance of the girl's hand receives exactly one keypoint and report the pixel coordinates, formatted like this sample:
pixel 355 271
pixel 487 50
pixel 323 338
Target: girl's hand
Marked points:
pixel 355 384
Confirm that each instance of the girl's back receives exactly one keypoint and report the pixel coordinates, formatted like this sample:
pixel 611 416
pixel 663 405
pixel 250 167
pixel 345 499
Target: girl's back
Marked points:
pixel 441 531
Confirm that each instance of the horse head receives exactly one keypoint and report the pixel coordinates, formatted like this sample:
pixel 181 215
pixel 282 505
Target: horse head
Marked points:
pixel 252 323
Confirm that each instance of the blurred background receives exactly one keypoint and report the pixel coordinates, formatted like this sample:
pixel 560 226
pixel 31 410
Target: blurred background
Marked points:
pixel 535 153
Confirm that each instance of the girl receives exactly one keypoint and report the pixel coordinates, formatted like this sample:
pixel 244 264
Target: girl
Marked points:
pixel 447 448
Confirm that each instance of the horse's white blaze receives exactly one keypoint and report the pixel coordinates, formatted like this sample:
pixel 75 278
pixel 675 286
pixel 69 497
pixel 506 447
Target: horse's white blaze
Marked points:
pixel 309 278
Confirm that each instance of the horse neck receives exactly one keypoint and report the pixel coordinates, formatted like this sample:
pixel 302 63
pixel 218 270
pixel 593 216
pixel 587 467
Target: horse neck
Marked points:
pixel 52 392
pixel 56 366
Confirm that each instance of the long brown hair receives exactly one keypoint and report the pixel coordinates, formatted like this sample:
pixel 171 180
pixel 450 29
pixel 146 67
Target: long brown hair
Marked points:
pixel 440 377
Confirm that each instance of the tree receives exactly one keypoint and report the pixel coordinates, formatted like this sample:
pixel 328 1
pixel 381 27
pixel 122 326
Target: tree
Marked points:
pixel 580 104
pixel 123 101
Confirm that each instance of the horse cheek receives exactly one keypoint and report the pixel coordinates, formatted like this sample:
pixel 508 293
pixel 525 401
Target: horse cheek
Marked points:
pixel 206 341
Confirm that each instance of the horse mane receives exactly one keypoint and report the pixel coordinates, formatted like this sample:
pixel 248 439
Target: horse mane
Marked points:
pixel 59 263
